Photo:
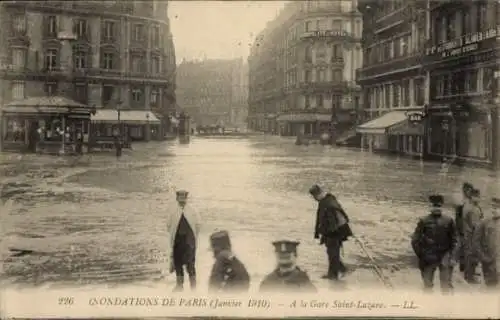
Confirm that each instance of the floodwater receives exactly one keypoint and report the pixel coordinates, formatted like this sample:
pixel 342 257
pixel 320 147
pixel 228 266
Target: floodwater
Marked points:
pixel 101 221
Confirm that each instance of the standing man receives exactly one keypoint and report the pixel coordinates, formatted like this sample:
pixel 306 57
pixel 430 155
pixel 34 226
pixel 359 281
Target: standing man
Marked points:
pixel 459 222
pixel 287 277
pixel 332 228
pixel 228 273
pixel 183 226
pixel 487 244
pixel 434 242
pixel 473 214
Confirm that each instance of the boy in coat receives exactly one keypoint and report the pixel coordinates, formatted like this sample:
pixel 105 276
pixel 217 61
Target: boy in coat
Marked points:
pixel 183 226
pixel 287 277
pixel 228 273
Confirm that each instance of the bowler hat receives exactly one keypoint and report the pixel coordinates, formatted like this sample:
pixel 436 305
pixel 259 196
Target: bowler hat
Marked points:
pixel 181 193
pixel 286 246
pixel 220 240
pixel 315 190
pixel 437 200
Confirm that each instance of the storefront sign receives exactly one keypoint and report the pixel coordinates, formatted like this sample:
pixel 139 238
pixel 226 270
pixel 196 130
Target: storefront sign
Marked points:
pixel 468 43
pixel 326 33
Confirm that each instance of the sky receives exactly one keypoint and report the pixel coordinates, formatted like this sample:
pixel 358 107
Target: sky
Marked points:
pixel 218 29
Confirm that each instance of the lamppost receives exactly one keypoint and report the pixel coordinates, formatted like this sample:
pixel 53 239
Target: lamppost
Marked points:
pixel 118 111
pixel 66 38
pixel 148 129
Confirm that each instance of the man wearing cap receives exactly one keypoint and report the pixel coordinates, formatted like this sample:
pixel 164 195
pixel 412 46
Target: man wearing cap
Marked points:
pixel 183 226
pixel 473 214
pixel 228 273
pixel 486 240
pixel 332 228
pixel 287 276
pixel 459 222
pixel 435 243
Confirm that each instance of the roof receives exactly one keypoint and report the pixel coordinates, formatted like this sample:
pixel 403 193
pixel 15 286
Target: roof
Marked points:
pixel 131 116
pixel 381 124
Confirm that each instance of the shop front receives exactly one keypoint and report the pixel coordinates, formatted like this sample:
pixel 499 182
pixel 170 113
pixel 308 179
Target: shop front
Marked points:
pixel 375 134
pixel 461 131
pixel 306 124
pixel 51 125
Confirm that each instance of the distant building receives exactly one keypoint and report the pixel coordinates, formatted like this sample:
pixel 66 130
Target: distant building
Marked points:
pixel 302 69
pixel 121 53
pixel 213 91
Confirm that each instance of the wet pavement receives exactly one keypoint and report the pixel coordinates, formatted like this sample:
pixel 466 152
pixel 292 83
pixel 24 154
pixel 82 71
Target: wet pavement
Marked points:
pixel 98 220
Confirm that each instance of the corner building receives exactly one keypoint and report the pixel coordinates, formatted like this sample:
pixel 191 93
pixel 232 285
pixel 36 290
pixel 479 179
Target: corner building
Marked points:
pixel 302 70
pixel 123 55
pixel 393 83
pixel 461 58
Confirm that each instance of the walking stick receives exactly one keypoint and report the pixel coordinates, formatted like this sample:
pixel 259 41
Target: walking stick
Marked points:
pixel 376 268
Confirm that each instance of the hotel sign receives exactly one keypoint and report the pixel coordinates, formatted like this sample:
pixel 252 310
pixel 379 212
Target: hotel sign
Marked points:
pixel 463 45
pixel 326 33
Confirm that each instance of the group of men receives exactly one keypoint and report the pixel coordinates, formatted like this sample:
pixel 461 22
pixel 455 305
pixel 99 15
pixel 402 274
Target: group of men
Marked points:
pixel 470 238
pixel 229 273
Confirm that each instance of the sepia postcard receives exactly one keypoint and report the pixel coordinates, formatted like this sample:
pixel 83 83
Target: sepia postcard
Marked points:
pixel 249 159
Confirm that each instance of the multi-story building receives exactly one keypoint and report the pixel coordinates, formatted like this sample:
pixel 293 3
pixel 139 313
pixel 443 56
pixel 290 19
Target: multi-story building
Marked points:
pixel 106 54
pixel 393 83
pixel 461 59
pixel 302 69
pixel 212 91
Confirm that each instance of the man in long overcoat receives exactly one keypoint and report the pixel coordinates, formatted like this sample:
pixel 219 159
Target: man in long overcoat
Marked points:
pixel 332 228
pixel 472 216
pixel 183 225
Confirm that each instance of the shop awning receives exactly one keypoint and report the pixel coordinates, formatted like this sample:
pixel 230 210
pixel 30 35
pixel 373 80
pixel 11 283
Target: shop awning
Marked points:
pixel 46 104
pixel 381 124
pixel 406 128
pixel 305 117
pixel 126 116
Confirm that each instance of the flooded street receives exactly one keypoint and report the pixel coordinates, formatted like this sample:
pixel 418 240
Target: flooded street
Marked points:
pixel 102 221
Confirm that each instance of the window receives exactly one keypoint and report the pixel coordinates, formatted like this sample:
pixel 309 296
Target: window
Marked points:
pixel 396 94
pixel 155 65
pixel 488 79
pixel 386 54
pixel 136 64
pixel 51 26
pixel 405 92
pixel 337 75
pixel 107 60
pixel 322 24
pixel 136 95
pixel 307 101
pixel 137 34
pixel 18 90
pixel 471 80
pixel 19 23
pixel 357 29
pixel 51 59
pixel 50 88
pixel 154 96
pixel 308 26
pixel 307 76
pixel 336 102
pixel 482 16
pixel 107 94
pixel 319 101
pixel 397 48
pixel 80 28
pixel 467 22
pixel 337 52
pixel 80 60
pixel 321 75
pixel 18 58
pixel 419 92
pixel 337 25
pixel 109 30
pixel 155 36
pixel 321 52
pixel 387 96
pixel 308 54
pixel 81 93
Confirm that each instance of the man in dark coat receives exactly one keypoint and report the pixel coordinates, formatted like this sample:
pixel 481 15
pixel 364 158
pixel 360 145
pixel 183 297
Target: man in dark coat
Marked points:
pixel 228 273
pixel 467 188
pixel 287 277
pixel 435 243
pixel 332 228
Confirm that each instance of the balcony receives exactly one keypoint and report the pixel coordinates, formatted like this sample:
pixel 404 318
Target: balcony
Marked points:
pixel 392 66
pixel 340 35
pixel 324 86
pixel 19 38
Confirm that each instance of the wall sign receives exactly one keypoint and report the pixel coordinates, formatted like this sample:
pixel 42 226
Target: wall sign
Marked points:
pixel 468 43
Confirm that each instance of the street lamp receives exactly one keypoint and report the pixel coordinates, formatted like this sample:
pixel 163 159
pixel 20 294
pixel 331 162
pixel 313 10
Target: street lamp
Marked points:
pixel 148 130
pixel 65 38
pixel 118 111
